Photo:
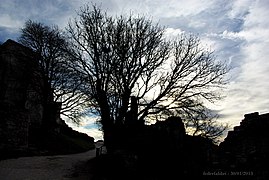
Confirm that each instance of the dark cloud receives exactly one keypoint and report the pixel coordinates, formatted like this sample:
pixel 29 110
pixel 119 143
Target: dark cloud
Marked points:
pixel 8 33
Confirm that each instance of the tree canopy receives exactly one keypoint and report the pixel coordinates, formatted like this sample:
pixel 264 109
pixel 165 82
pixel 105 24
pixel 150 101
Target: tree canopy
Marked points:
pixel 122 58
pixel 123 68
pixel 60 83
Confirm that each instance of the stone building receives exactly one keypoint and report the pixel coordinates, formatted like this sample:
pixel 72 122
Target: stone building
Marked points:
pixel 30 120
pixel 246 148
pixel 20 98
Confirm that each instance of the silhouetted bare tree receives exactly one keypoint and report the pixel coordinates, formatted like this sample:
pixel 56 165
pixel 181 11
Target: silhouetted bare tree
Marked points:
pixel 203 122
pixel 123 57
pixel 60 82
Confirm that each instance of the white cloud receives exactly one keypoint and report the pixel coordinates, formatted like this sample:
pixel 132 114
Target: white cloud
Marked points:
pixel 88 126
pixel 231 35
pixel 9 22
pixel 172 33
pixel 240 8
pixel 248 91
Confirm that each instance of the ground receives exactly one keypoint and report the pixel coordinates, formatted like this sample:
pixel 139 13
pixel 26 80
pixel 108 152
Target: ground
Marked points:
pixel 59 167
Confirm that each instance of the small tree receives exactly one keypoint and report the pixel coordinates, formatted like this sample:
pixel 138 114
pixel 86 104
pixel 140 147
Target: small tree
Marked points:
pixel 123 57
pixel 60 83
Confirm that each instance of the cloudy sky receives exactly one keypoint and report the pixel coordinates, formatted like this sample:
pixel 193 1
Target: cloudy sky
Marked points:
pixel 237 30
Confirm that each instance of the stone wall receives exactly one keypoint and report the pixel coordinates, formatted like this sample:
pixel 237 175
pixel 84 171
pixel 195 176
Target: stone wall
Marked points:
pixel 30 124
pixel 20 100
pixel 247 146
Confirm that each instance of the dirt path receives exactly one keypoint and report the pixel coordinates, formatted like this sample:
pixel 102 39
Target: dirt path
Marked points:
pixel 58 167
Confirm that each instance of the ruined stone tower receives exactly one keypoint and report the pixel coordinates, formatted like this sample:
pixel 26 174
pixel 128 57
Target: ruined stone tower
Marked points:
pixel 20 97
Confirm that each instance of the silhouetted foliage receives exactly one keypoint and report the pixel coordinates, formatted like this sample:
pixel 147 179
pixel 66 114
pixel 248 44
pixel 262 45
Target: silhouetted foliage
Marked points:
pixel 60 82
pixel 120 57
